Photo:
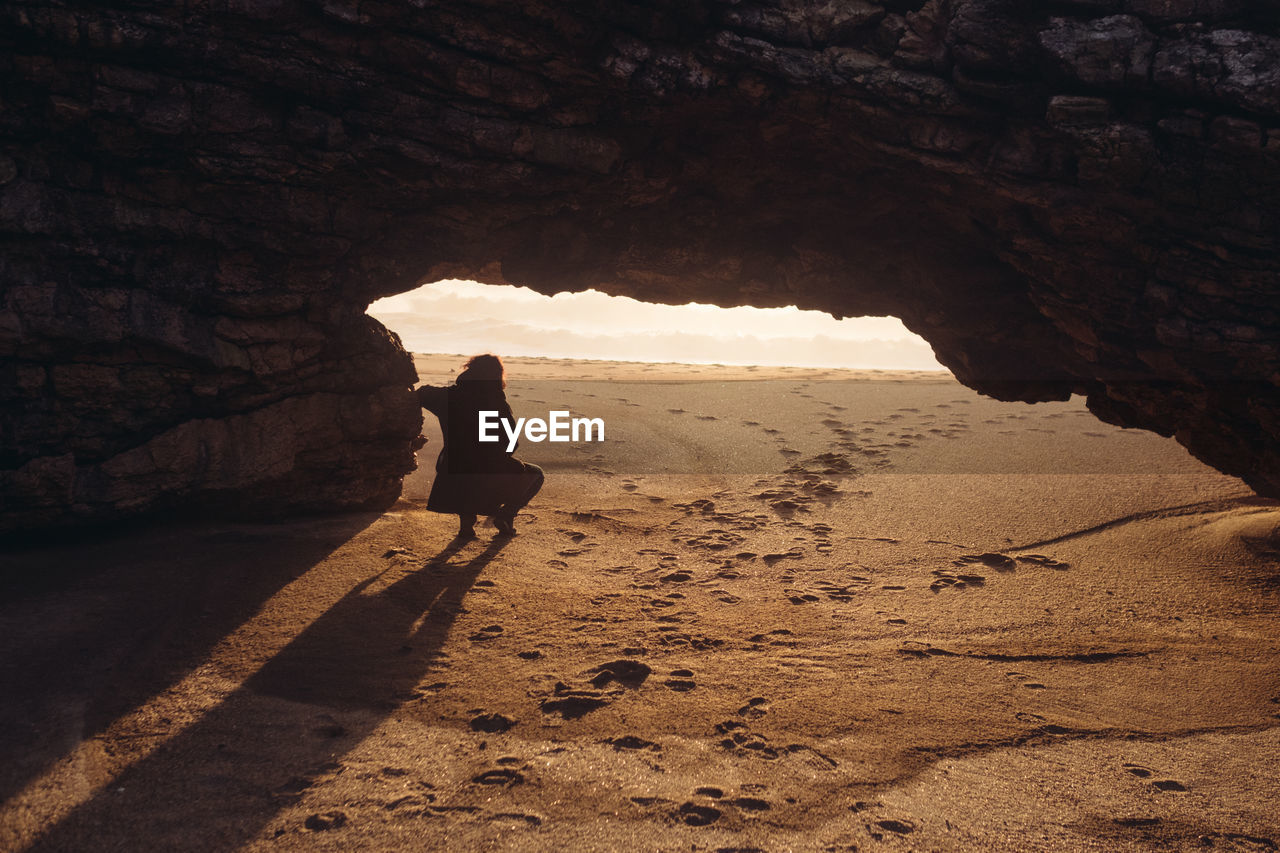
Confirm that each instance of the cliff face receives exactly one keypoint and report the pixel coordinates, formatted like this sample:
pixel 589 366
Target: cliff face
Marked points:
pixel 198 203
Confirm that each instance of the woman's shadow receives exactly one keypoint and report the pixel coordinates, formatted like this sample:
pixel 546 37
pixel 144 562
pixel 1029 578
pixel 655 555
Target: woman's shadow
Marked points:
pixel 216 785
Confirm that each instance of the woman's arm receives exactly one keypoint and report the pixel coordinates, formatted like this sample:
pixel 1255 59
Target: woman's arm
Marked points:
pixel 434 398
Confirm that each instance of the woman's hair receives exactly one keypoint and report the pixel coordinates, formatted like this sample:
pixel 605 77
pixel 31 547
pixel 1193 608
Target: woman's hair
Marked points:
pixel 486 366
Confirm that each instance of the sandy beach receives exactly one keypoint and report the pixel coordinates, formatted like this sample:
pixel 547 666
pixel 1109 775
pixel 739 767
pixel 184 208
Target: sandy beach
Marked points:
pixel 776 609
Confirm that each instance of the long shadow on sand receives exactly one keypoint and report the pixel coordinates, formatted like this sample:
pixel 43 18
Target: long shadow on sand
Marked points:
pixel 92 629
pixel 217 784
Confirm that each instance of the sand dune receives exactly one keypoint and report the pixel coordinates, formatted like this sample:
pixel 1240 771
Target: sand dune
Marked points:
pixel 777 609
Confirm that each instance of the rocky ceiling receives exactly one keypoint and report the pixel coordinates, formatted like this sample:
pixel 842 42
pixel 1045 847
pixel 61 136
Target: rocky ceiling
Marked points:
pixel 198 200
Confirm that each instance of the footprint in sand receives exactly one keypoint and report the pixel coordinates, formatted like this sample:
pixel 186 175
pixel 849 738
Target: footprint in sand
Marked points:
pixel 750 804
pixel 755 708
pixel 836 592
pixel 652 801
pixel 947 580
pixel 681 681
pixel 573 704
pixel 1025 680
pixel 629 673
pixel 504 776
pixel 328 727
pixel 753 744
pixel 999 562
pixel 570 703
pixel 491 723
pixel 772 638
pixel 900 827
pixel 632 743
pixel 1168 785
pixel 697 643
pixel 328 820
pixel 696 815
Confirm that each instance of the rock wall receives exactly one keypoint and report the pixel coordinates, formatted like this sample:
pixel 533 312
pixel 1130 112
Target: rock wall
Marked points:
pixel 198 200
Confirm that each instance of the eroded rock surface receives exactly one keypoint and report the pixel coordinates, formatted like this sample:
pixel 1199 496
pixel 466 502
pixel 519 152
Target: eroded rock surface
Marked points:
pixel 197 204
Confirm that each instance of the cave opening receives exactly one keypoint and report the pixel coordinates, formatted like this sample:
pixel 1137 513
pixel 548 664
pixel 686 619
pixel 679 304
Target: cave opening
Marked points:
pixel 461 316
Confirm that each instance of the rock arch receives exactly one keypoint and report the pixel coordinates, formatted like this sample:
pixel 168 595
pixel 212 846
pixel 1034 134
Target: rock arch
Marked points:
pixel 197 205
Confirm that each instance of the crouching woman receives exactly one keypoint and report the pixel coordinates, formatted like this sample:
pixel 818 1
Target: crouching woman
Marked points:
pixel 475 478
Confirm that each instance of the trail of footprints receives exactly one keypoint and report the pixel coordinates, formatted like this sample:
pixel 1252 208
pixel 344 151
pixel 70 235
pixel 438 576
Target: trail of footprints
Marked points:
pixel 721 537
pixel 706 805
pixel 709 804
pixel 870 439
pixel 960 575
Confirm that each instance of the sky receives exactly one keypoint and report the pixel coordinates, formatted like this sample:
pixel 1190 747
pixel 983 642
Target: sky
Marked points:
pixel 467 317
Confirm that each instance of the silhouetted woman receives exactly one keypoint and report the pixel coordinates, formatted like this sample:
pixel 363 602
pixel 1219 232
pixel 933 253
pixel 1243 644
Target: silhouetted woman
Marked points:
pixel 474 477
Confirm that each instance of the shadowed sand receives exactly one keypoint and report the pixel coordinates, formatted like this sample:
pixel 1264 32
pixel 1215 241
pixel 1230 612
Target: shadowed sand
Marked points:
pixel 778 609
